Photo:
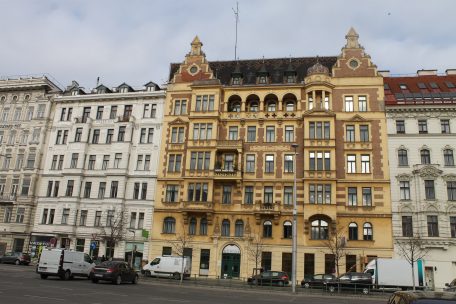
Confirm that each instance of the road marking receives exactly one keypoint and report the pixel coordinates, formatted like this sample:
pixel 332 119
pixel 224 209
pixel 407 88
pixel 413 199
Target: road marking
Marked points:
pixel 47 298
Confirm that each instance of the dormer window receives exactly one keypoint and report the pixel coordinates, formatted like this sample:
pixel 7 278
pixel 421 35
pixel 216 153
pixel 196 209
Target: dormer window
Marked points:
pixel 150 89
pixel 403 86
pixel 123 90
pixel 74 93
pixel 291 79
pixel 263 79
pixel 236 80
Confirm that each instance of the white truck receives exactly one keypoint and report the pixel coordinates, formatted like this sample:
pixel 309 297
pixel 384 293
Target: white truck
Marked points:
pixel 64 263
pixel 395 273
pixel 168 266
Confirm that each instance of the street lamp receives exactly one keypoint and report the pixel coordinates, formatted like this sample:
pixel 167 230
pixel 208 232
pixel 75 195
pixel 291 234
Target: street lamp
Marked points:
pixel 133 249
pixel 294 227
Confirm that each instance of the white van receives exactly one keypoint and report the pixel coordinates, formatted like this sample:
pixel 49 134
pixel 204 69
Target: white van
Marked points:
pixel 64 263
pixel 168 266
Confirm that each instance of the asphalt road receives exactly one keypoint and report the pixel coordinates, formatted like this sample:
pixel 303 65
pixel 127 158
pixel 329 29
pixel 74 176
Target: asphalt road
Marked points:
pixel 20 284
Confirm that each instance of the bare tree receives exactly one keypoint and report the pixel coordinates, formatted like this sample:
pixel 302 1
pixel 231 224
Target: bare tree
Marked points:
pixel 336 245
pixel 114 230
pixel 255 249
pixel 412 249
pixel 179 244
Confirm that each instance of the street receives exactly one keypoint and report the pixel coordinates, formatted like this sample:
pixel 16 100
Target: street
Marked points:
pixel 20 284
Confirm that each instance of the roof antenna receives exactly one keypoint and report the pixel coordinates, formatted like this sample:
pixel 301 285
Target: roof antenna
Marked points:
pixel 98 81
pixel 236 14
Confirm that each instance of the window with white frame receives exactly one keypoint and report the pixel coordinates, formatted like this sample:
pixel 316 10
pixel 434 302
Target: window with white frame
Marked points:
pixel 365 163
pixel 349 104
pixel 362 103
pixel 351 163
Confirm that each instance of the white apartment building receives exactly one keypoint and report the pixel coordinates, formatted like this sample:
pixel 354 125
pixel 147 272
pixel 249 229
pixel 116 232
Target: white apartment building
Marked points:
pixel 100 171
pixel 421 114
pixel 25 105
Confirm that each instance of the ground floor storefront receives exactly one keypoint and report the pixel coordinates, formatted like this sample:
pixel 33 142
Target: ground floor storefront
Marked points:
pixel 14 242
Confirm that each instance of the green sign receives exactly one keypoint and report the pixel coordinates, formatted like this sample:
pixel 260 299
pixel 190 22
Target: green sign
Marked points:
pixel 145 233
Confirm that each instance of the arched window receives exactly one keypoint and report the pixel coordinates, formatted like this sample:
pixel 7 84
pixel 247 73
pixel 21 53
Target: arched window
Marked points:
pixel 225 227
pixel 319 230
pixel 253 106
pixel 192 226
pixel 425 157
pixel 402 157
pixel 272 106
pixel 353 231
pixel 239 228
pixel 203 226
pixel 287 230
pixel 234 106
pixel 367 232
pixel 267 229
pixel 169 225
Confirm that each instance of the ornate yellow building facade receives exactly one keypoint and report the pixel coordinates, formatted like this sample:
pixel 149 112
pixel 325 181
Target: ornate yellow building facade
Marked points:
pixel 227 163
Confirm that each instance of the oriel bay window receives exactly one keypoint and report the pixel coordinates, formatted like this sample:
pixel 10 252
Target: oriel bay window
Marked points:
pixel 319 193
pixel 202 131
pixel 319 160
pixel 228 162
pixel 200 160
pixel 204 103
pixel 197 192
pixel 319 130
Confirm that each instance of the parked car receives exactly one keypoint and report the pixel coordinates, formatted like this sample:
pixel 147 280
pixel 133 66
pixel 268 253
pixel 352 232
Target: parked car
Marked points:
pixel 422 297
pixel 354 281
pixel 116 272
pixel 268 278
pixel 450 286
pixel 317 280
pixel 64 263
pixel 17 258
pixel 168 267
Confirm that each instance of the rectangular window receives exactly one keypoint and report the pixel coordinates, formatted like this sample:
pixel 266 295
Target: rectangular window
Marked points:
pixel 352 196
pixel 320 193
pixel 204 103
pixel 407 226
pixel 402 157
pixel 233 133
pixel 83 218
pixel 266 260
pixel 30 113
pixel 105 163
pixel 364 133
pixel 133 220
pixel 180 107
pixel 453 226
pixel 85 114
pixel 270 134
pixel 65 216
pixel 99 112
pixel 97 222
pixel 404 187
pixel 60 164
pixel 87 189
pixel 91 163
pixel 351 163
pixel 69 189
pixel 429 189
pixel 43 217
pixel 51 216
pixel 451 190
pixel 114 189
pixel 121 134
pixel 330 264
pixel 78 135
pixel 172 193
pixel 9 214
pixel 65 137
pixel 197 192
pixel 20 214
pixel 117 160
pixel 422 126
pixel 56 189
pixel 367 196
pixel 109 136
pixel 348 106
pixel 400 127
pixel 268 195
pixel 445 126
pixel 251 133
pixel 269 163
pixel 248 195
pixel 350 133
pixel 350 263
pixel 289 134
pixel 147 162
pixel 113 112
pixel 144 191
pixel 174 162
pixel 288 195
pixel 226 196
pixel 200 160
pixel 288 164
pixel 58 138
pixel 448 158
pixel 362 103
pixel 54 162
pixel 136 191
pixel 177 135
pixel 433 225
pixel 101 190
pixel 365 163
pixel 25 186
pixel 250 163
pixel 141 219
pixel 142 137
pixel 80 243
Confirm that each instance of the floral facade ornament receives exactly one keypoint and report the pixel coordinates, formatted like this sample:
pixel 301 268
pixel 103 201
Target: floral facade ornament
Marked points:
pixel 428 172
pixel 449 177
pixel 404 177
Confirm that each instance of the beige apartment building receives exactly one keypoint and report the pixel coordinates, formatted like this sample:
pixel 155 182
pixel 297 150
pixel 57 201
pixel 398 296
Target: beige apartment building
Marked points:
pixel 227 163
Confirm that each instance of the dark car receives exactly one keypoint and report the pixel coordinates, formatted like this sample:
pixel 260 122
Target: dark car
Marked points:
pixel 17 258
pixel 450 286
pixel 116 272
pixel 317 280
pixel 422 297
pixel 268 278
pixel 353 281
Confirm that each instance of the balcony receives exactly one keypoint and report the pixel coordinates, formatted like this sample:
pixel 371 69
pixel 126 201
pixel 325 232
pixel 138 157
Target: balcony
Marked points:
pixel 358 145
pixel 211 143
pixel 229 144
pixel 267 210
pixel 227 174
pixel 201 208
pixel 320 174
pixel 7 199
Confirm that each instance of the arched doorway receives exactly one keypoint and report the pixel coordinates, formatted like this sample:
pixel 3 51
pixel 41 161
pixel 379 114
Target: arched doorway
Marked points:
pixel 231 261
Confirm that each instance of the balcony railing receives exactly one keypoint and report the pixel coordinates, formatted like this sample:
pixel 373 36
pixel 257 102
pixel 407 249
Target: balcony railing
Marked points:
pixel 7 198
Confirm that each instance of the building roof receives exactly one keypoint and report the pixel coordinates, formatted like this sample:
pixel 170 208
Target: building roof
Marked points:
pixel 420 89
pixel 275 67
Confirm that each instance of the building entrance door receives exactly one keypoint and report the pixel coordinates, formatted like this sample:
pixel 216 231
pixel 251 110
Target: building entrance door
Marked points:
pixel 429 274
pixel 231 262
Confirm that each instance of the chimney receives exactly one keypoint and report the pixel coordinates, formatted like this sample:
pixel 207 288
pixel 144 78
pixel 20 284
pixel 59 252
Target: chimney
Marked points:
pixel 426 72
pixel 385 73
pixel 450 72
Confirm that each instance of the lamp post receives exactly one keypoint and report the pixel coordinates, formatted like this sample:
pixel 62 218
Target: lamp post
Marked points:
pixel 133 249
pixel 294 227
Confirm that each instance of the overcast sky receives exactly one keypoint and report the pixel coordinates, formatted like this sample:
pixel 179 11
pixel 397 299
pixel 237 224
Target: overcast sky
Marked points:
pixel 134 41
